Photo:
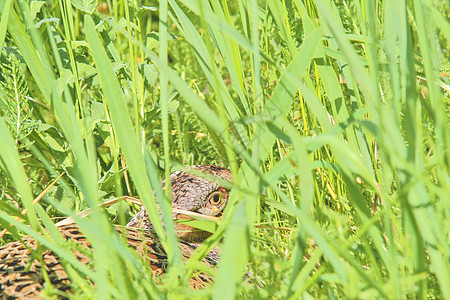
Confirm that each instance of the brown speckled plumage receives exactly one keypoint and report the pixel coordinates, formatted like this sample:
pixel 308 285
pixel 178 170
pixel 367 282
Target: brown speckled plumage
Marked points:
pixel 190 192
pixel 21 275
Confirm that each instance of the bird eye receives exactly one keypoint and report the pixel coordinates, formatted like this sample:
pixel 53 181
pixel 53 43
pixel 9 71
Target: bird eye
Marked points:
pixel 216 198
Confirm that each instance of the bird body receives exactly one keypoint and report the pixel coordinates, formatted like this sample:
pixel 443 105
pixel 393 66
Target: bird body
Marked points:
pixel 21 274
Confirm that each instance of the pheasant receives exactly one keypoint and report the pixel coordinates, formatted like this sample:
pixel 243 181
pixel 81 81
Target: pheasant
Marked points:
pixel 21 274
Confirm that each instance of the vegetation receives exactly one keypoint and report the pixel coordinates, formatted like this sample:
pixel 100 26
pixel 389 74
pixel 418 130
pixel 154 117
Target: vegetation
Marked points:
pixel 332 115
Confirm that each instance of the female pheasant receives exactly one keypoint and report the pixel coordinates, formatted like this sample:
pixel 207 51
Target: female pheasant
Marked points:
pixel 21 275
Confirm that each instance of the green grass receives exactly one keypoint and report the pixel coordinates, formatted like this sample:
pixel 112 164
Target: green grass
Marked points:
pixel 332 115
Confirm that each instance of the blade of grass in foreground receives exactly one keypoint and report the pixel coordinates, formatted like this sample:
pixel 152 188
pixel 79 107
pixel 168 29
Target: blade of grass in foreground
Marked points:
pixel 4 22
pixel 129 143
pixel 423 211
pixel 230 269
pixel 232 266
pixel 210 69
pixel 84 175
pixel 13 166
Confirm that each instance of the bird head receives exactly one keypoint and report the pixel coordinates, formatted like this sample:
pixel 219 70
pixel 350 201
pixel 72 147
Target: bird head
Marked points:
pixel 195 189
pixel 198 189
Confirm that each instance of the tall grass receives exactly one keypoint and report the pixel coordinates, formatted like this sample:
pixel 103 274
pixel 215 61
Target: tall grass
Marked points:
pixel 332 116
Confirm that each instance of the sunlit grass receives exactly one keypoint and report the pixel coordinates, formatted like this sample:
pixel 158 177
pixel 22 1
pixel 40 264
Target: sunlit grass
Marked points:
pixel 331 115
